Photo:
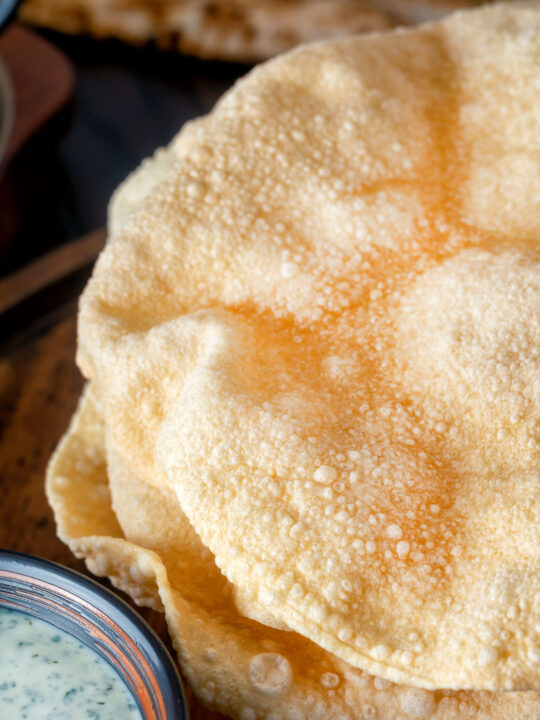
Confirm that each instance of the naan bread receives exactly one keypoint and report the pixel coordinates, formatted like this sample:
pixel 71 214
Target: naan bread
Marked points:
pixel 322 335
pixel 239 30
pixel 236 666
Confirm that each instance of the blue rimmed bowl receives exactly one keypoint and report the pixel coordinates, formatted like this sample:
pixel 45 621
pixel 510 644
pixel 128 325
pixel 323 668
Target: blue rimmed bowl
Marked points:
pixel 102 621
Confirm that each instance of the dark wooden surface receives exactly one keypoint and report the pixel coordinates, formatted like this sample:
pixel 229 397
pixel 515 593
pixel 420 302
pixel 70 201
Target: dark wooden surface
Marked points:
pixel 39 388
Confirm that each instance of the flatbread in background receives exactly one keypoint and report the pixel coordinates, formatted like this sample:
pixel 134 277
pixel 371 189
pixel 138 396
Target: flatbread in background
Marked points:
pixel 321 331
pixel 236 666
pixel 411 12
pixel 237 30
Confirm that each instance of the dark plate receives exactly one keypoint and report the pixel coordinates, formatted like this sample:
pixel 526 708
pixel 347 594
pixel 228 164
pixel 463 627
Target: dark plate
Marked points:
pixel 102 621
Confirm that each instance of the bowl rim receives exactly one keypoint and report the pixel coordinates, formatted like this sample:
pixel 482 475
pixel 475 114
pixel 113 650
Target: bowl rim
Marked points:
pixel 85 591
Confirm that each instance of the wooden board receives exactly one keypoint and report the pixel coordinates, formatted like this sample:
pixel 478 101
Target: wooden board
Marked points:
pixel 39 388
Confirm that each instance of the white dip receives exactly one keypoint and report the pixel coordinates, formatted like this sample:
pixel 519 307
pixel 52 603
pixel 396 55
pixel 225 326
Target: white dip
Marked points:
pixel 47 674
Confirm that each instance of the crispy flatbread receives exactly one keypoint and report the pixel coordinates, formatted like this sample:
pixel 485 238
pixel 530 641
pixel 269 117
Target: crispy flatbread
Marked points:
pixel 239 30
pixel 235 665
pixel 153 170
pixel 322 332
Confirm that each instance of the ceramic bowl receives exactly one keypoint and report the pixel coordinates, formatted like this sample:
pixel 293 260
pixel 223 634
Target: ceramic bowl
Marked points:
pixel 101 620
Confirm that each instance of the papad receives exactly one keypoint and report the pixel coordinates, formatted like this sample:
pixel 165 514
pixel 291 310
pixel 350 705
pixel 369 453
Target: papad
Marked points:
pixel 266 333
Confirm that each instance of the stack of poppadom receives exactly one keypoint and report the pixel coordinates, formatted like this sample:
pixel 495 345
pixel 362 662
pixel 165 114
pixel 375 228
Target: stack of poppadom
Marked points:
pixel 311 431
